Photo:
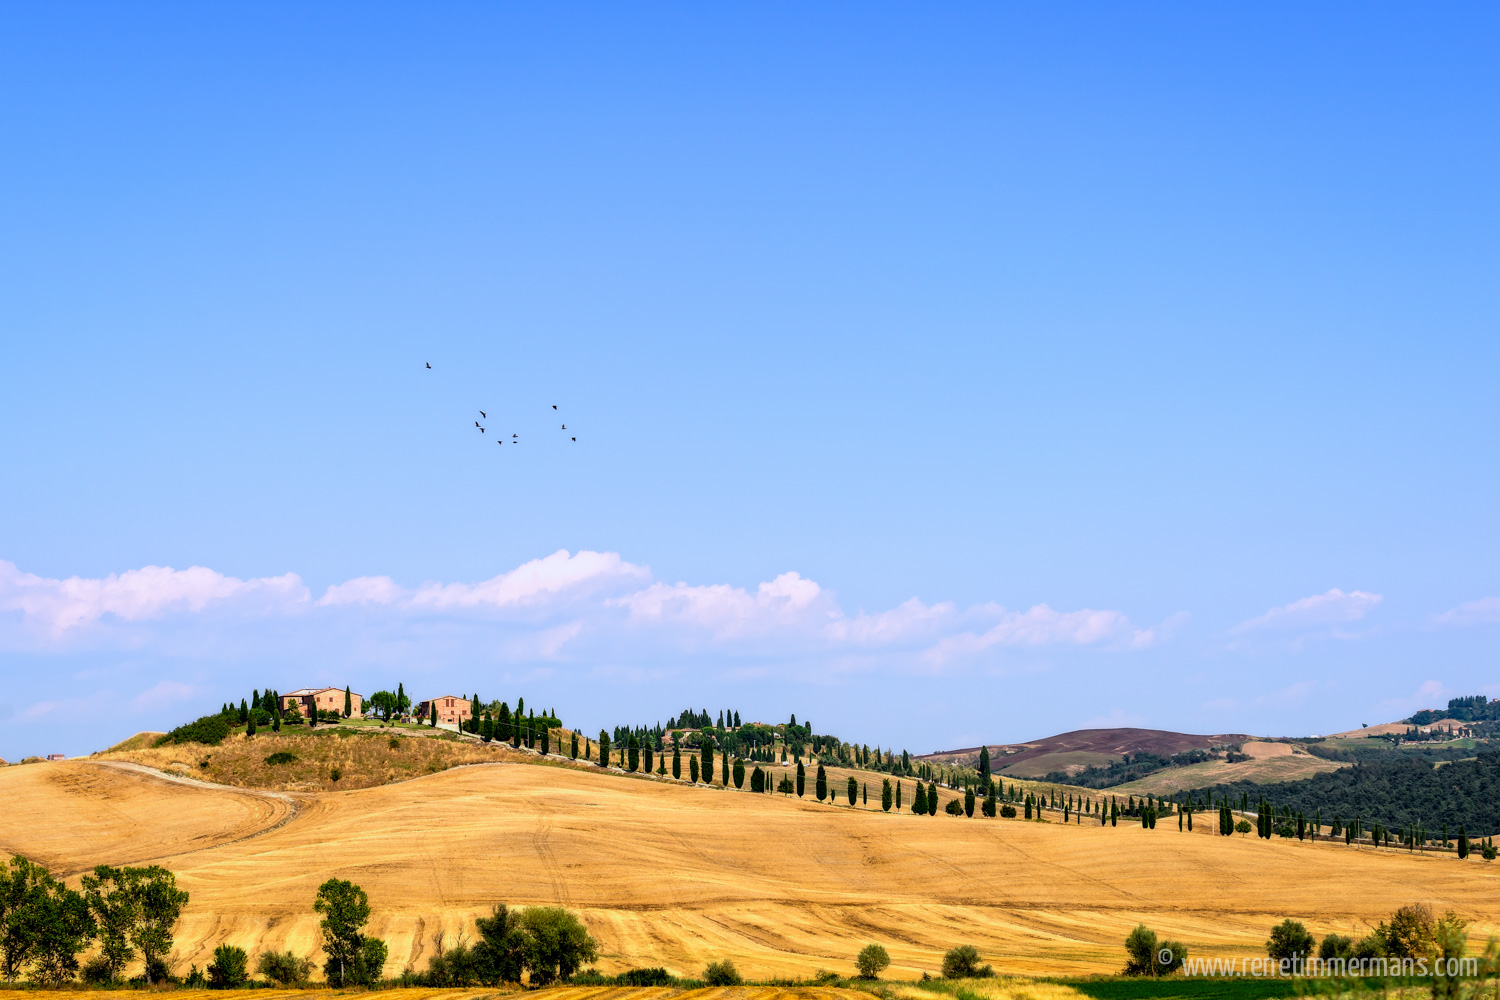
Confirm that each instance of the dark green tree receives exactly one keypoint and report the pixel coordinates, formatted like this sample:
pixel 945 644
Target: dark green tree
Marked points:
pixel 739 772
pixel 676 761
pixel 112 905
pixel 603 748
pixel 348 702
pixel 1463 841
pixel 556 944
pixel 693 769
pixel 969 802
pixel 345 909
pixel 984 765
pixel 872 961
pixel 230 969
pixel 852 791
pixel 820 787
pixel 707 769
pixel 801 777
pixel 1290 941
pixel 633 755
pixel 573 749
pixel 885 795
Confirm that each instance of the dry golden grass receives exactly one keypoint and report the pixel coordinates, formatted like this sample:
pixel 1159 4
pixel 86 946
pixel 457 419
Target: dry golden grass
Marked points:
pixel 677 876
pixel 554 993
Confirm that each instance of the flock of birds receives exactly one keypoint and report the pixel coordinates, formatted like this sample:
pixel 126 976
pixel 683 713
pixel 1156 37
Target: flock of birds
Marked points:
pixel 514 438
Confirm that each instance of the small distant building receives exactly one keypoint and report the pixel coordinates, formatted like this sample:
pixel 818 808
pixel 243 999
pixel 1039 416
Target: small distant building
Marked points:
pixel 305 700
pixel 57 756
pixel 451 709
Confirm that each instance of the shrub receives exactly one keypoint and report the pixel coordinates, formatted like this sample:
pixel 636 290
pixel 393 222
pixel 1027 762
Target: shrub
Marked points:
pixel 281 757
pixel 656 976
pixel 1289 940
pixel 335 774
pixel 1008 812
pixel 1410 933
pixel 283 968
pixel 954 808
pixel 825 978
pixel 872 961
pixel 962 962
pixel 1335 946
pixel 1243 827
pixel 209 730
pixel 96 971
pixel 1145 953
pixel 229 969
pixel 557 943
pixel 394 743
pixel 721 973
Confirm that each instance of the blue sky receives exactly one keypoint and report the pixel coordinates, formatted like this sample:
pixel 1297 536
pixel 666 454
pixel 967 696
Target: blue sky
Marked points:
pixel 938 375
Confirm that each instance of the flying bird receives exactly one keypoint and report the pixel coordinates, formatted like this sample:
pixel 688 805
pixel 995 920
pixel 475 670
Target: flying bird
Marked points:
pixel 554 406
pixel 476 424
pixel 575 439
pixel 565 426
pixel 484 415
pixel 429 364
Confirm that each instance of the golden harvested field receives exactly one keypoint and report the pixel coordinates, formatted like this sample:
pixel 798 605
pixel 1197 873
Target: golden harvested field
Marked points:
pixel 554 993
pixel 677 876
pixel 1268 762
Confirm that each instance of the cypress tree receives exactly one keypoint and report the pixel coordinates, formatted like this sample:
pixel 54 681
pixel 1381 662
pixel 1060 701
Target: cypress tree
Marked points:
pixel 633 756
pixel 853 790
pixel 821 787
pixel 864 794
pixel 693 769
pixel 546 740
pixel 1463 841
pixel 646 751
pixel 676 760
pixel 969 802
pixel 573 750
pixel 885 795
pixel 724 764
pixel 708 761
pixel 932 799
pixel 739 772
pixel 603 748
pixel 244 712
pixel 348 702
pixel 250 724
pixel 801 778
pixel 898 796
pixel 276 714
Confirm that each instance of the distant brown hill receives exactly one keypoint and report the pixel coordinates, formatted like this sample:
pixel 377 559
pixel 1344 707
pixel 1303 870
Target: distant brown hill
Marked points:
pixel 1076 750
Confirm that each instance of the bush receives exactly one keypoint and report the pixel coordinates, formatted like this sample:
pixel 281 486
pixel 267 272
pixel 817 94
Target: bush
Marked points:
pixel 1009 812
pixel 1410 933
pixel 281 757
pixel 954 808
pixel 335 774
pixel 962 962
pixel 557 943
pixel 1335 946
pixel 872 961
pixel 283 968
pixel 721 973
pixel 229 969
pixel 1289 941
pixel 1149 957
pixel 209 730
pixel 394 743
pixel 656 976
pixel 96 971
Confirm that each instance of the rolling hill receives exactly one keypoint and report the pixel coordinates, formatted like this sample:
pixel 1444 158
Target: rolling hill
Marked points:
pixel 666 874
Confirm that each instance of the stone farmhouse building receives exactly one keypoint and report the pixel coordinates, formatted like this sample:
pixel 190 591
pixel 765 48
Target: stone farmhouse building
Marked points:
pixel 451 710
pixel 304 700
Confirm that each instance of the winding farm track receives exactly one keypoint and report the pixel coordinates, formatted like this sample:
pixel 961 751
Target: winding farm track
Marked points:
pixel 676 876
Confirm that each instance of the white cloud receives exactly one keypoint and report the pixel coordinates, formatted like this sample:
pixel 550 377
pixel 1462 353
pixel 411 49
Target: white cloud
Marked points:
pixel 1485 611
pixel 140 594
pixel 1333 607
pixel 530 583
pixel 1041 626
pixel 786 602
pixel 578 605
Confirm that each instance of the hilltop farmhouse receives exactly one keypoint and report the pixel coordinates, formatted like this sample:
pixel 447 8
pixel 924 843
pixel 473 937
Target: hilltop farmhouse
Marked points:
pixel 451 710
pixel 304 700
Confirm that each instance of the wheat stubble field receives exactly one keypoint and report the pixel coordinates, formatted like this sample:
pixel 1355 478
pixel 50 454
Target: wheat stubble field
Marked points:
pixel 676 876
